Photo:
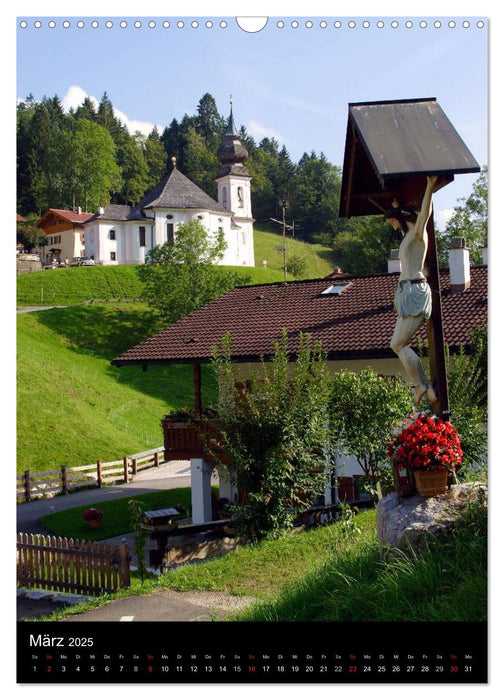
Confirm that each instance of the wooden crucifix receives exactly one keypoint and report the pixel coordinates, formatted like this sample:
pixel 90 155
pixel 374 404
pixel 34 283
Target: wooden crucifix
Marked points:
pixel 393 149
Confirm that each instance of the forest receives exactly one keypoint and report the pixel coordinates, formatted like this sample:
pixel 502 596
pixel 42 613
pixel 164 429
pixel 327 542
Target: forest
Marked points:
pixel 87 158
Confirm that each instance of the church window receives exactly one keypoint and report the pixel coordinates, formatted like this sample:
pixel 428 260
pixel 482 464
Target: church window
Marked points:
pixel 113 255
pixel 112 235
pixel 169 233
pixel 224 197
pixel 141 236
pixel 240 197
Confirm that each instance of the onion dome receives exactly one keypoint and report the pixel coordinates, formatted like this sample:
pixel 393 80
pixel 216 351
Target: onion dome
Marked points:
pixel 232 154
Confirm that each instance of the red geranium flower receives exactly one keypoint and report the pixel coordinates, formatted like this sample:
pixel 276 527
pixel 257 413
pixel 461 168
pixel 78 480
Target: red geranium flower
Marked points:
pixel 426 442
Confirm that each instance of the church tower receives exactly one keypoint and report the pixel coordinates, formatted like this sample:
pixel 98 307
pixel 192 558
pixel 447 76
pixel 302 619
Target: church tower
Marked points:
pixel 233 187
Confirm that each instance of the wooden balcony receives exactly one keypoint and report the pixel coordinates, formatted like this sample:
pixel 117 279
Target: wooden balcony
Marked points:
pixel 195 437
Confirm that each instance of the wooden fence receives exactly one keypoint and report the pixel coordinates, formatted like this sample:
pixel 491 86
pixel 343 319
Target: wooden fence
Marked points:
pixel 71 566
pixel 37 485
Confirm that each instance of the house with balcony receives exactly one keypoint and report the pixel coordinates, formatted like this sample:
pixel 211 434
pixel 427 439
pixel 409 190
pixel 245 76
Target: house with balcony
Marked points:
pixel 353 317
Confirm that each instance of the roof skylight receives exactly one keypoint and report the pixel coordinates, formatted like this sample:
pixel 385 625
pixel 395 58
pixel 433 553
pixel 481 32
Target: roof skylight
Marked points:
pixel 336 288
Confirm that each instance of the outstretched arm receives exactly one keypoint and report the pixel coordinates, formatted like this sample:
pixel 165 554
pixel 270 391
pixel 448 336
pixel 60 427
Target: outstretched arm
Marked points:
pixel 426 208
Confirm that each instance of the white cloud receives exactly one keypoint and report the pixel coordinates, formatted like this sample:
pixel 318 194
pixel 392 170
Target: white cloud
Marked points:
pixel 442 217
pixel 258 131
pixel 76 95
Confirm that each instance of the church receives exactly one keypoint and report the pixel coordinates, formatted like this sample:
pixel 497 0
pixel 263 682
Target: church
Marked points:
pixel 119 234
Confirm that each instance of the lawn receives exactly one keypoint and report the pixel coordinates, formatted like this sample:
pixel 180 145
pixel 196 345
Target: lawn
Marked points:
pixel 116 516
pixel 338 573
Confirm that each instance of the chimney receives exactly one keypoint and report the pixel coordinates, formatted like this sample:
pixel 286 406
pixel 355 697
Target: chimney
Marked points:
pixel 394 264
pixel 101 210
pixel 458 257
pixel 484 252
pixel 79 210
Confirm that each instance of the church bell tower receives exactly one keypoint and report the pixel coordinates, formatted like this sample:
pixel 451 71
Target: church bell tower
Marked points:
pixel 233 187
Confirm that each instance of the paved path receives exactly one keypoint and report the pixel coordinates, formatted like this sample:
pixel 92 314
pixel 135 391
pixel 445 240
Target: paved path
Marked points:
pixel 170 475
pixel 168 606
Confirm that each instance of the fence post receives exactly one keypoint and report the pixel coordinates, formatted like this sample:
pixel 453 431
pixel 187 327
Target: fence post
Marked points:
pixel 99 477
pixel 124 566
pixel 27 485
pixel 125 469
pixel 134 466
pixel 64 480
pixel 156 459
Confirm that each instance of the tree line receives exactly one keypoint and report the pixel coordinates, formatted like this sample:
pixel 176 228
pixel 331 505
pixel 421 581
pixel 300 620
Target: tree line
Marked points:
pixel 87 158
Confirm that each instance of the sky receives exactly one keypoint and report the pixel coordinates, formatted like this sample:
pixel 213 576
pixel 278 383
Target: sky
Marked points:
pixel 290 82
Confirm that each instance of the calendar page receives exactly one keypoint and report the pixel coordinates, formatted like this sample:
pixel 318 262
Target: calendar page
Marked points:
pixel 251 266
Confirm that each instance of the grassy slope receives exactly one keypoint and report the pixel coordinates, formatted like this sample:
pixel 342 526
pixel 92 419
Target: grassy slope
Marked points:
pixel 73 406
pixel 319 259
pixel 78 284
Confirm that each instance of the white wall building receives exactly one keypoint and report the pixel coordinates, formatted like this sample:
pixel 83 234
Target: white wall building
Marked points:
pixel 122 235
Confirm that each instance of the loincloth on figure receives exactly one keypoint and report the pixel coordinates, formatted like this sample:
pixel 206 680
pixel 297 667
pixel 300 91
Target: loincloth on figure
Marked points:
pixel 413 298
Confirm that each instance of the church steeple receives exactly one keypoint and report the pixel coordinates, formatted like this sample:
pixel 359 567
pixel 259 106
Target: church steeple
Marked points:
pixel 231 129
pixel 232 154
pixel 233 189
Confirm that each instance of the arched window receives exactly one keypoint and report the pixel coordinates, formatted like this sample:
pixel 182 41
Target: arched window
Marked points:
pixel 240 197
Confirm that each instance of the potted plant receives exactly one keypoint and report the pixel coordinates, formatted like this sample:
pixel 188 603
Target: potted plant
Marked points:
pixel 93 517
pixel 430 448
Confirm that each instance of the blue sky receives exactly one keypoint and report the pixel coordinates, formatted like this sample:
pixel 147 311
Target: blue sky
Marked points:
pixel 293 83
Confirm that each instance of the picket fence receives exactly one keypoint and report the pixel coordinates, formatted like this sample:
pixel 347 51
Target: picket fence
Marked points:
pixel 71 566
pixel 46 484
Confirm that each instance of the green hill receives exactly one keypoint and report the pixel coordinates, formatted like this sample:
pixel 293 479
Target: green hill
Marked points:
pixel 268 245
pixel 73 406
pixel 75 285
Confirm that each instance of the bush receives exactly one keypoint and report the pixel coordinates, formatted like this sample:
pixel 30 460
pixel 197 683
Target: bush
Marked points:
pixel 364 410
pixel 276 430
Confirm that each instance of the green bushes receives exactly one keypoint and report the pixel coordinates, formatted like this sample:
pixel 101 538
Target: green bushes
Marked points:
pixel 276 431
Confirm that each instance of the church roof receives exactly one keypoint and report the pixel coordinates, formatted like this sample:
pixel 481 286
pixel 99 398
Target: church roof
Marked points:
pixel 116 212
pixel 176 191
pixel 352 316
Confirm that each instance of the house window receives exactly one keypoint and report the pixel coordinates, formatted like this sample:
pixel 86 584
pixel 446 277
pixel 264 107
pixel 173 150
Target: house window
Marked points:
pixel 113 255
pixel 112 235
pixel 141 235
pixel 169 233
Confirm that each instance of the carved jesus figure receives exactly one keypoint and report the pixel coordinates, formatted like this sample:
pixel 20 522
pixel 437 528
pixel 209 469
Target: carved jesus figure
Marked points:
pixel 412 300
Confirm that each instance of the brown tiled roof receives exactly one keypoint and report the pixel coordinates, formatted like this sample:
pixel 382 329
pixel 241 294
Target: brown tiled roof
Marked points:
pixel 357 323
pixel 72 216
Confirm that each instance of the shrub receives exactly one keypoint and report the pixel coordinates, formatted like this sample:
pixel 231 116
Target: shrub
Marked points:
pixel 364 409
pixel 276 430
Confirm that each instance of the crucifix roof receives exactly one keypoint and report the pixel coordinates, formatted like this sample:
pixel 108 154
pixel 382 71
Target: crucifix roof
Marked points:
pixel 391 147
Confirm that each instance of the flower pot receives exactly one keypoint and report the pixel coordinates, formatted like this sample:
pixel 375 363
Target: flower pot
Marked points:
pixel 431 483
pixel 94 523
